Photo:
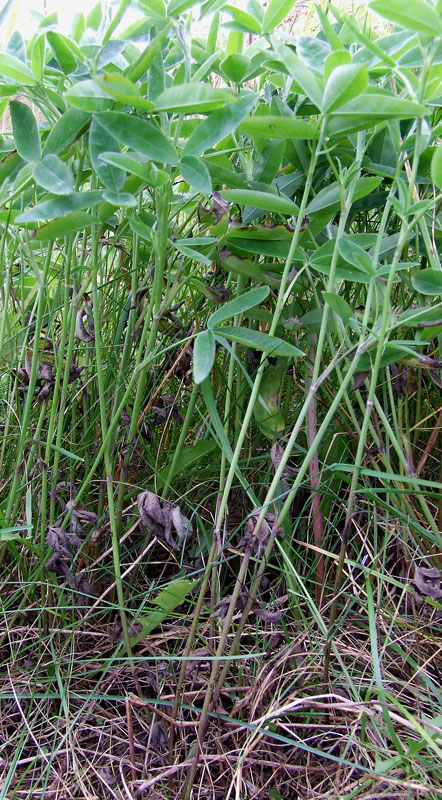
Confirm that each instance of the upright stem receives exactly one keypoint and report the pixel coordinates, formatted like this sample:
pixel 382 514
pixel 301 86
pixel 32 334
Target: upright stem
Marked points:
pixel 232 470
pixel 315 481
pixel 107 447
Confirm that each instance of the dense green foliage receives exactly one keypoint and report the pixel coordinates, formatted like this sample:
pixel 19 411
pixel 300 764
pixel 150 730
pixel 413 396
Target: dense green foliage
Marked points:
pixel 220 354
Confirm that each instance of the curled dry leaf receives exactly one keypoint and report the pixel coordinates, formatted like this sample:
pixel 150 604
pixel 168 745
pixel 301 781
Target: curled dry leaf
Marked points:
pixel 62 541
pixel 221 608
pixel 166 408
pixel 84 314
pixel 276 454
pixel 435 377
pixel 46 372
pixel 44 393
pixel 221 293
pixel 140 294
pixel 79 515
pixel 79 584
pixel 359 379
pixel 220 206
pixel 197 660
pixel 399 379
pixel 106 776
pixel 427 582
pixel 256 540
pixel 268 614
pixel 125 418
pixel 162 518
pixel 158 739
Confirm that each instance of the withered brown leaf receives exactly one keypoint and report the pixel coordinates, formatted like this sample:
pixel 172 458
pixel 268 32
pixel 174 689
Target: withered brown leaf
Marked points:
pixel 427 582
pixel 162 518
pixel 257 540
pixel 85 314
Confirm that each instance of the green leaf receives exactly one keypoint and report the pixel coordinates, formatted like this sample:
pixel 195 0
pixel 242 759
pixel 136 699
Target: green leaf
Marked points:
pixel 330 196
pixel 210 6
pixel 123 90
pixel 355 255
pixel 66 130
pixel 94 17
pixel 241 266
pixel 266 408
pixel 4 11
pixel 276 248
pixel 273 127
pixel 60 206
pixel 235 42
pixel 53 175
pixel 188 456
pixel 436 166
pixel 124 199
pixel 262 200
pixel 313 51
pixel 195 172
pixel 247 22
pixel 321 260
pixel 345 82
pixel 67 453
pixel 138 68
pixel 174 594
pixel 38 57
pixel 193 254
pixel 416 15
pixel 428 281
pixel 414 316
pixel 168 600
pixel 218 125
pixel 268 240
pixel 235 67
pixel 140 135
pixel 63 49
pixel 215 421
pixel 14 69
pixel 192 98
pixel 24 128
pixel 141 228
pixel 71 223
pixel 237 306
pixel 8 534
pixel 177 7
pixel 369 109
pixel 302 75
pixel 147 172
pixel 329 31
pixel 89 96
pixel 277 11
pixel 335 59
pixel 101 141
pixel 259 341
pixel 110 53
pixel 78 26
pixel 203 355
pixel 9 166
pixel 338 305
pixel 7 90
pixel 16 46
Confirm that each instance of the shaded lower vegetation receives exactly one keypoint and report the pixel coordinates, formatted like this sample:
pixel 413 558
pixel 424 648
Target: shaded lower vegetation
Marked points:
pixel 220 514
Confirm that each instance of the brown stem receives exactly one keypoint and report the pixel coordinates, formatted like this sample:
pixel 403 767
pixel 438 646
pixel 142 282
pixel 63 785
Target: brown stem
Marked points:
pixel 430 444
pixel 130 734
